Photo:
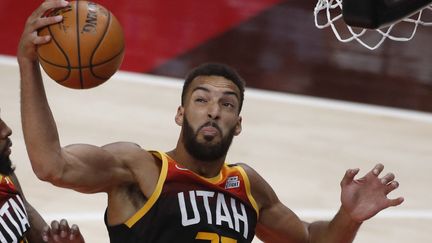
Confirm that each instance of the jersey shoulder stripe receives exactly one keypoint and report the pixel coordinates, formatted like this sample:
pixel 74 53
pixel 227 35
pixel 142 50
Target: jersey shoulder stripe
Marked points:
pixel 153 198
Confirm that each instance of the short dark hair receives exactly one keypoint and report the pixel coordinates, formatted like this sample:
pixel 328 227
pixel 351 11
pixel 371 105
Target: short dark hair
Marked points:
pixel 214 69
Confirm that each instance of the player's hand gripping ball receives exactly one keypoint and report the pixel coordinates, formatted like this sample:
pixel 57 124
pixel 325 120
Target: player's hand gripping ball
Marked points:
pixel 86 48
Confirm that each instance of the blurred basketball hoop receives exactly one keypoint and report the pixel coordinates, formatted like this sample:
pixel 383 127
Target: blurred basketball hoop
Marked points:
pixel 371 22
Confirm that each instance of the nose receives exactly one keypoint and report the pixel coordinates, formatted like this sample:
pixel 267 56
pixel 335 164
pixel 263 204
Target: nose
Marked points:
pixel 214 111
pixel 5 131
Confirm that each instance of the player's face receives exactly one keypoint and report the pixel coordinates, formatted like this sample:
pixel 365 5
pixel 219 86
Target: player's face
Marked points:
pixel 5 142
pixel 205 151
pixel 210 118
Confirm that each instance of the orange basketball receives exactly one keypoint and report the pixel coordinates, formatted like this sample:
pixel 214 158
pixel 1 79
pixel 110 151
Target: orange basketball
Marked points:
pixel 86 48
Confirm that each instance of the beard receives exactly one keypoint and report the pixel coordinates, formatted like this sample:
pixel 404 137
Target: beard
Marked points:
pixel 5 162
pixel 203 151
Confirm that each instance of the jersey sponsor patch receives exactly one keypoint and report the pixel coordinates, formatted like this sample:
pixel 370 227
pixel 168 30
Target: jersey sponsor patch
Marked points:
pixel 232 182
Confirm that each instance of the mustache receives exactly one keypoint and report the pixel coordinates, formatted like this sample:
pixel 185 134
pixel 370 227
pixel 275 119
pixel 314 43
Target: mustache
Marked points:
pixel 7 145
pixel 211 124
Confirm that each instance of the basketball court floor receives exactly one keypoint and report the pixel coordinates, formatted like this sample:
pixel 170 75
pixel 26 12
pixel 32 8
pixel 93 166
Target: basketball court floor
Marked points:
pixel 301 145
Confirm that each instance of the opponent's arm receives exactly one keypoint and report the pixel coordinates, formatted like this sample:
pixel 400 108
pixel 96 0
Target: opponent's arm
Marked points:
pixel 85 168
pixel 40 231
pixel 37 223
pixel 361 199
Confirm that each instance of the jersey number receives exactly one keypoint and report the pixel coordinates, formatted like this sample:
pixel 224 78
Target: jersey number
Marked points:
pixel 214 238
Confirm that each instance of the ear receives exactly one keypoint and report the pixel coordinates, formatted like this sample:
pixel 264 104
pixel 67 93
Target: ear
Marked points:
pixel 238 128
pixel 179 116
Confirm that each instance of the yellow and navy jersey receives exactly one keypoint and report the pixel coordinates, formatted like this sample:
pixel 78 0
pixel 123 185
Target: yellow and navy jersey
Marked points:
pixel 13 216
pixel 186 207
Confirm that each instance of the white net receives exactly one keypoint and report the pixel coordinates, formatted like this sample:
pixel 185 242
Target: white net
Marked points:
pixel 329 13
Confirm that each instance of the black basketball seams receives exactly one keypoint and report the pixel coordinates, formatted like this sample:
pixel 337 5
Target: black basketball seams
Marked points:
pixel 108 23
pixel 84 67
pixel 68 67
pixel 78 43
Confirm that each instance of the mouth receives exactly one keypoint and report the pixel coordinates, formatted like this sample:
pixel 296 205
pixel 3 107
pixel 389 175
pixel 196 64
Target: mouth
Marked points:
pixel 7 148
pixel 210 130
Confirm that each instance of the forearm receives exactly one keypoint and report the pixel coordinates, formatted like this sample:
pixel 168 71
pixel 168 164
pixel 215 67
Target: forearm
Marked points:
pixel 341 229
pixel 34 218
pixel 39 128
pixel 36 225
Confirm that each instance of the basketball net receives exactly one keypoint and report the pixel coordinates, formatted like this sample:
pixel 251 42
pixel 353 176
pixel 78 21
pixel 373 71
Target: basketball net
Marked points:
pixel 369 38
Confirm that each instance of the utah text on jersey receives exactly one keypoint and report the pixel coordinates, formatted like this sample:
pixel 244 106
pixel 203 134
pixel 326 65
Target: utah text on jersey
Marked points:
pixel 221 213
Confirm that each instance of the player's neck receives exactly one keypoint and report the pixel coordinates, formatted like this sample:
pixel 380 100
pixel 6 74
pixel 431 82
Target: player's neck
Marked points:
pixel 208 169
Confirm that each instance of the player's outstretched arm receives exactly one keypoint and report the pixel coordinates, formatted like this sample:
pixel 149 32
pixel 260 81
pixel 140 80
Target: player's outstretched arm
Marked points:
pixel 85 168
pixel 37 120
pixel 361 199
pixel 61 232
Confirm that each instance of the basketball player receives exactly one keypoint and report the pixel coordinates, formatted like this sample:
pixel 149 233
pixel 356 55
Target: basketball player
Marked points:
pixel 19 221
pixel 188 194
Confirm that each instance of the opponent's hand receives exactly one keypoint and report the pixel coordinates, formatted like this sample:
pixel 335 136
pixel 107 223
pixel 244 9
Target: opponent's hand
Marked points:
pixel 61 232
pixel 29 39
pixel 363 198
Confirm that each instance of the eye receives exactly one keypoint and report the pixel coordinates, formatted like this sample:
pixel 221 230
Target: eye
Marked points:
pixel 228 104
pixel 200 100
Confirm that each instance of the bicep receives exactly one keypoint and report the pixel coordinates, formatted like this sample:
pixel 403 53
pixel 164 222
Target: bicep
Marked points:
pixel 90 169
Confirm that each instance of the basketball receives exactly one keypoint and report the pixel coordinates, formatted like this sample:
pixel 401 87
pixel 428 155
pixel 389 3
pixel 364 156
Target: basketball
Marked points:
pixel 85 49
